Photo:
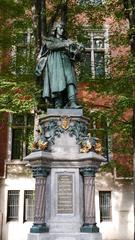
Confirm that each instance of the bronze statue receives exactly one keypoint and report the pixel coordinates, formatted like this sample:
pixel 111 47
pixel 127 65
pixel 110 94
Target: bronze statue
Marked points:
pixel 55 64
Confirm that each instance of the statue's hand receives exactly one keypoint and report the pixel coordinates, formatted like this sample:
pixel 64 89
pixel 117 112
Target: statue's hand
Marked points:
pixel 68 42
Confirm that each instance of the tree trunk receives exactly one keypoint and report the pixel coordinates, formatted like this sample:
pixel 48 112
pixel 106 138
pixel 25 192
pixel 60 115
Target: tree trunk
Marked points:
pixel 41 18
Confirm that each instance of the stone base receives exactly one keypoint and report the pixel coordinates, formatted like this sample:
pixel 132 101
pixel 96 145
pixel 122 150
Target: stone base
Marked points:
pixel 39 228
pixel 89 228
pixel 65 236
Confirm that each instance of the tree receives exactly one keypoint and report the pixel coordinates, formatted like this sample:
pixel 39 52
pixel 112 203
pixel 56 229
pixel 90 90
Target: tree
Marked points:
pixel 17 84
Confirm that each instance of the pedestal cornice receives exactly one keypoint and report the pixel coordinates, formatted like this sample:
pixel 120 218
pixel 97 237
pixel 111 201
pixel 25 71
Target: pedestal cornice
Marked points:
pixel 88 171
pixel 40 171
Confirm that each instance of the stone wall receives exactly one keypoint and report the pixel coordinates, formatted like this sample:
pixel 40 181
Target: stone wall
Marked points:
pixel 121 227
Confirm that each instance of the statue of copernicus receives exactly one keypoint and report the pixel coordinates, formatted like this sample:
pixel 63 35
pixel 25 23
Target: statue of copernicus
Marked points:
pixel 56 65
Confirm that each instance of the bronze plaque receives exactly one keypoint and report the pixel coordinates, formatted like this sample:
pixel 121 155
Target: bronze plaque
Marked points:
pixel 65 194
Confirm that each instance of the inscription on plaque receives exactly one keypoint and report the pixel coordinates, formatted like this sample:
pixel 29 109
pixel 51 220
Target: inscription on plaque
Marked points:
pixel 65 194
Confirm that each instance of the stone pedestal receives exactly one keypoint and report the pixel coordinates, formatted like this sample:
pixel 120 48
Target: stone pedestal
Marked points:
pixel 64 164
pixel 65 236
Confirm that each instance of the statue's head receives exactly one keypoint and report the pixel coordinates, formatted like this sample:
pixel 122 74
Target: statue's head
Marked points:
pixel 58 29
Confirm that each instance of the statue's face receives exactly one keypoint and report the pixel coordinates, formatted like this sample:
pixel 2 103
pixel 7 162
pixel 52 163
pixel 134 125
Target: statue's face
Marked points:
pixel 60 30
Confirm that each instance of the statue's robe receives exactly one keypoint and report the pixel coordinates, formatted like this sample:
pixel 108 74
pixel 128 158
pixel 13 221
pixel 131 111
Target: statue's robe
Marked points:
pixel 56 66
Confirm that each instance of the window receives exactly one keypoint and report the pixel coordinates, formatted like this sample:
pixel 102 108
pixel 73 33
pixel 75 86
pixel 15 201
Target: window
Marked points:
pixel 105 205
pixel 98 129
pixel 23 53
pixel 29 198
pixel 93 2
pixel 94 61
pixel 13 205
pixel 22 131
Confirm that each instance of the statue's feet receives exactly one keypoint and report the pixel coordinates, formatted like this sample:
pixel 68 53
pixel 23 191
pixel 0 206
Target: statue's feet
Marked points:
pixel 58 103
pixel 58 106
pixel 73 105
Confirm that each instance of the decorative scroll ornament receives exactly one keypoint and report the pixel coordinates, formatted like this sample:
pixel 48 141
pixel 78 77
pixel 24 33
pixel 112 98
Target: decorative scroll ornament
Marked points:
pixel 79 130
pixel 65 122
pixel 40 145
pixel 90 144
pixel 86 148
pixel 51 130
pixel 54 128
pixel 43 145
pixel 98 147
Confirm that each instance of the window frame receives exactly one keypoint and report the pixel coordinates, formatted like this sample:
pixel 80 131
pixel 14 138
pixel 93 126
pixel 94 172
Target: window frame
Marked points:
pixel 108 207
pixel 24 129
pixel 25 207
pixel 9 218
pixel 26 44
pixel 91 36
pixel 91 2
